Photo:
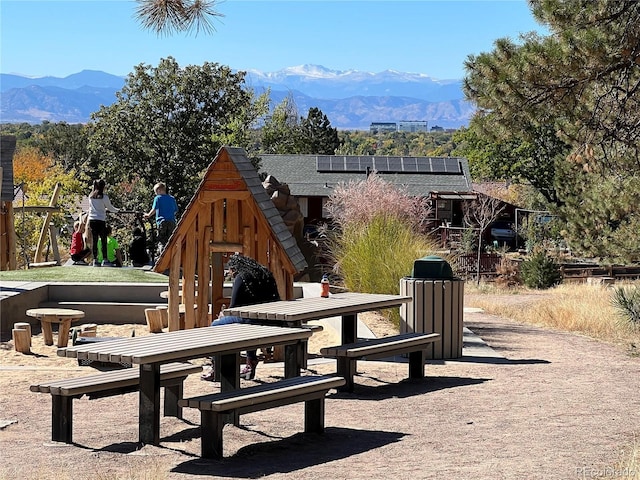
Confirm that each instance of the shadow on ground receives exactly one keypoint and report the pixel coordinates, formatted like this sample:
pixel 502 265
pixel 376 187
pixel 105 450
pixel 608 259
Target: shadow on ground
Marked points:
pixel 297 452
pixel 404 388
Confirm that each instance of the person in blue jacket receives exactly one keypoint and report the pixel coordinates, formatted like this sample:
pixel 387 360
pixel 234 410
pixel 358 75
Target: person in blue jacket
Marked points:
pixel 165 209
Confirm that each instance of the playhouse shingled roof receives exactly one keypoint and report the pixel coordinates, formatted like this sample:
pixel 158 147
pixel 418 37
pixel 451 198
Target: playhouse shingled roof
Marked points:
pixel 262 201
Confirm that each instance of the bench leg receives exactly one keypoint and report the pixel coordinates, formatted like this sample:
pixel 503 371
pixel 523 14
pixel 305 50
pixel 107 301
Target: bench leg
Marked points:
pixel 347 370
pixel 416 363
pixel 314 416
pixel 173 393
pixel 61 418
pixel 211 425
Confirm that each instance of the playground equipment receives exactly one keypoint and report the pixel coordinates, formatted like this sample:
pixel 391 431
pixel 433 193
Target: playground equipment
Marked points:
pixel 230 212
pixel 7 224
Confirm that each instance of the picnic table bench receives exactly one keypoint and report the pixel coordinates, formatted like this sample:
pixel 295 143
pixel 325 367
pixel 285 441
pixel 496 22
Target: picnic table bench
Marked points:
pixel 106 384
pixel 347 305
pixel 151 352
pixel 347 355
pixel 217 407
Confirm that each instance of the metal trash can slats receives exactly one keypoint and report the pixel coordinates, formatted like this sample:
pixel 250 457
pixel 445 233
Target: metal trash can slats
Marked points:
pixel 437 307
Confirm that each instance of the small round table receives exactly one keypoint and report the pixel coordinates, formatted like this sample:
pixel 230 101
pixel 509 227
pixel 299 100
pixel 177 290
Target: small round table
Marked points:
pixel 61 316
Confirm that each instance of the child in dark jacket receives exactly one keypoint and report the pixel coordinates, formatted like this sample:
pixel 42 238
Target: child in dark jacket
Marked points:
pixel 138 249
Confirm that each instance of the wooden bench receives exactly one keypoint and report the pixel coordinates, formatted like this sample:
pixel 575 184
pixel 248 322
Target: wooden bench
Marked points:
pixel 347 355
pixel 216 408
pixel 106 384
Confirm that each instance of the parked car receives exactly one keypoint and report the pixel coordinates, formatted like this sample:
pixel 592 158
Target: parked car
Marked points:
pixel 502 231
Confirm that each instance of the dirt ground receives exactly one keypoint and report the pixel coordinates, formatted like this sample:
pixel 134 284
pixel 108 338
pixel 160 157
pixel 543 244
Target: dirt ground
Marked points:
pixel 556 406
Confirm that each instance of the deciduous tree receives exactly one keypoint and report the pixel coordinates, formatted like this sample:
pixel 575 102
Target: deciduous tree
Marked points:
pixel 168 123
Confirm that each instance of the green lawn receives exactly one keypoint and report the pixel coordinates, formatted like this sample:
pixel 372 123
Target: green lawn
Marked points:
pixel 84 274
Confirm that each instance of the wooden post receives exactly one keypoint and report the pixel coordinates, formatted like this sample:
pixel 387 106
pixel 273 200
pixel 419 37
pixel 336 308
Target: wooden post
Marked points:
pixel 154 320
pixel 53 236
pixel 174 284
pixel 21 340
pixel 164 313
pixel 45 225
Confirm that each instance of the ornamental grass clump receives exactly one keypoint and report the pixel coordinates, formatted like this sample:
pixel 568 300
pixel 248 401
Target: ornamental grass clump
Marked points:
pixel 377 234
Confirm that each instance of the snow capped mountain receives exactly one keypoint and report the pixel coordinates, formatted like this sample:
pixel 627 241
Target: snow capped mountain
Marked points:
pixel 351 99
pixel 318 81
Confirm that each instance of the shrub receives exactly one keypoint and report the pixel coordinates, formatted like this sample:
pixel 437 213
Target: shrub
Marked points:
pixel 376 235
pixel 540 271
pixel 626 301
pixel 374 257
pixel 508 273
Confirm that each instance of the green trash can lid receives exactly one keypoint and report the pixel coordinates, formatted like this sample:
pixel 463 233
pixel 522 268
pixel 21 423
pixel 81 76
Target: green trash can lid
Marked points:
pixel 432 266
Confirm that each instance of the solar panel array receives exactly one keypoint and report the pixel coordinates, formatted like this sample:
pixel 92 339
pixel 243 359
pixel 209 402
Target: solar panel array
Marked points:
pixel 441 165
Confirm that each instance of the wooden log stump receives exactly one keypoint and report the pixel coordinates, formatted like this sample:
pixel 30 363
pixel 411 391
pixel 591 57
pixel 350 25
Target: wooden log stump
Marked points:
pixel 23 326
pixel 164 311
pixel 154 319
pixel 88 330
pixel 21 340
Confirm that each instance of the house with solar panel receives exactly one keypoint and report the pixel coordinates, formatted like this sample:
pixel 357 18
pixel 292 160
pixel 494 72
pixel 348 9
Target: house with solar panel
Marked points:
pixel 446 181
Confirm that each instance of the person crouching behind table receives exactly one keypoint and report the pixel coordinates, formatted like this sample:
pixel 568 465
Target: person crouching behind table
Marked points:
pixel 252 283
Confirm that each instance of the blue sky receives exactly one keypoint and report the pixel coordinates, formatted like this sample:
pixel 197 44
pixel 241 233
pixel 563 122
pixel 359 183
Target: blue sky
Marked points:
pixel 432 37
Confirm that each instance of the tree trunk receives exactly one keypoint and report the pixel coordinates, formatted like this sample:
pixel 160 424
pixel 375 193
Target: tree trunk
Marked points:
pixel 478 258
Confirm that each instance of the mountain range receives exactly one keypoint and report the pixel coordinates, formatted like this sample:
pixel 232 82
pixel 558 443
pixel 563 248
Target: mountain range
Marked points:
pixel 351 99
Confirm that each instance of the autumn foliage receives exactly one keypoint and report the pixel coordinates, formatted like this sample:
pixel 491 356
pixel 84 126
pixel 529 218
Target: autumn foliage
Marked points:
pixel 30 166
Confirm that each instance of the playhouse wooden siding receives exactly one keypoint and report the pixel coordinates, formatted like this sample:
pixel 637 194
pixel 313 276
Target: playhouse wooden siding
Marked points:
pixel 230 212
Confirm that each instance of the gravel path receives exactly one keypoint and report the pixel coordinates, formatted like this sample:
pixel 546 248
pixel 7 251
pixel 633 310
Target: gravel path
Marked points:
pixel 556 406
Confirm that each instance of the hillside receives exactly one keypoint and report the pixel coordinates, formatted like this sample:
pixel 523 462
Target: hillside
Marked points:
pixel 351 99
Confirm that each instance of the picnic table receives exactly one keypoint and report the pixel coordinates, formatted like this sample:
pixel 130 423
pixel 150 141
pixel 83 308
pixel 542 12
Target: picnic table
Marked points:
pixel 152 351
pixel 346 305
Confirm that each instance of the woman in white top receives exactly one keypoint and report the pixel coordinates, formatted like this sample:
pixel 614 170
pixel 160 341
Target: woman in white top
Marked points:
pixel 99 204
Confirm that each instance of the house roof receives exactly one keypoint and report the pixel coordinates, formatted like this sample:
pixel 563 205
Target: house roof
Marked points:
pixel 317 175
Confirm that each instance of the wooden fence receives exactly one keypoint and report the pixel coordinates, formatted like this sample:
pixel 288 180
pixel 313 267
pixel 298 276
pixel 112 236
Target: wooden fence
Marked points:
pixel 466 266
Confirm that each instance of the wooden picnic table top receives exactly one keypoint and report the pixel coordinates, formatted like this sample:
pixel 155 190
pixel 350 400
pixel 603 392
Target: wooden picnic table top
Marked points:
pixel 181 345
pixel 315 308
pixel 60 313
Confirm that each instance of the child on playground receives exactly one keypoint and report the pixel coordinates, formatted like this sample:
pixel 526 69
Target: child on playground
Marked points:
pixel 138 249
pixel 78 251
pixel 165 208
pixel 114 254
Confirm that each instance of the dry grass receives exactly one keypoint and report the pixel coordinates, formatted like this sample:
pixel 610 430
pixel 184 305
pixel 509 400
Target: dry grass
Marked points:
pixel 629 465
pixel 579 308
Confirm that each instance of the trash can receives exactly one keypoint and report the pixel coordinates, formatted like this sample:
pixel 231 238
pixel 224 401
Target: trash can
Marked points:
pixel 437 305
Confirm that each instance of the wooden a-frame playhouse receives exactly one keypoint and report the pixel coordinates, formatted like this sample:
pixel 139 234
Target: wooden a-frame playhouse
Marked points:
pixel 230 212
